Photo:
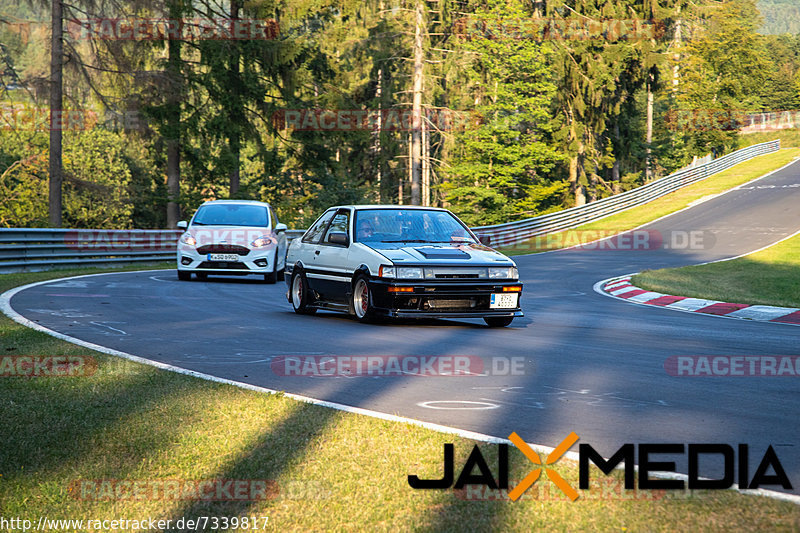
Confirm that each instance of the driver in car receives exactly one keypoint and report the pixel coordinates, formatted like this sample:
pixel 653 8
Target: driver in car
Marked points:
pixel 365 230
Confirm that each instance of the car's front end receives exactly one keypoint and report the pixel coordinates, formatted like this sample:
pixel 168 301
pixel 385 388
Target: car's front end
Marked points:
pixel 447 291
pixel 229 251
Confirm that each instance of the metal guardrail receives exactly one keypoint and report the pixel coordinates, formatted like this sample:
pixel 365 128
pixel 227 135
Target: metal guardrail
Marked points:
pixel 515 232
pixel 31 250
pixel 44 249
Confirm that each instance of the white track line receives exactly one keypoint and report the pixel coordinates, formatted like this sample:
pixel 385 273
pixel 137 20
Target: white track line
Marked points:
pixel 5 307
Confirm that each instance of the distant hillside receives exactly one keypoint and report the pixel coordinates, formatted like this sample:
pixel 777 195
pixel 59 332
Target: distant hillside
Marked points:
pixel 780 16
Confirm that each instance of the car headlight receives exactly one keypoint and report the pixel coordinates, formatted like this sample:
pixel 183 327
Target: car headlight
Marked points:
pixel 503 273
pixel 409 272
pixel 261 242
pixel 387 271
pixel 187 239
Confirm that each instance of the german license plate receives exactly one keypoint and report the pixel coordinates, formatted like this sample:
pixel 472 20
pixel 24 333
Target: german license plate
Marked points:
pixel 504 301
pixel 223 257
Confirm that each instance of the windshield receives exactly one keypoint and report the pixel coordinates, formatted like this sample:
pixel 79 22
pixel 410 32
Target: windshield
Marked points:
pixel 231 215
pixel 410 225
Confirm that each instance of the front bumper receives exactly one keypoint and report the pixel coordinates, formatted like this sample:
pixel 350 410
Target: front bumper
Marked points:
pixel 256 261
pixel 442 299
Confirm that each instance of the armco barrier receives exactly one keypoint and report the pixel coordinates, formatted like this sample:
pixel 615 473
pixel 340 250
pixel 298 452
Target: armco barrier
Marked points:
pixel 30 250
pixel 44 249
pixel 515 232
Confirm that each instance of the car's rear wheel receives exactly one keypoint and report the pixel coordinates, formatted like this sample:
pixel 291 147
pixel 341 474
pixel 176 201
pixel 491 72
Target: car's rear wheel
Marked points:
pixel 184 276
pixel 498 321
pixel 301 295
pixel 361 300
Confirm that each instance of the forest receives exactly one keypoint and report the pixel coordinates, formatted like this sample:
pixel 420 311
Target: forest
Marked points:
pixel 496 109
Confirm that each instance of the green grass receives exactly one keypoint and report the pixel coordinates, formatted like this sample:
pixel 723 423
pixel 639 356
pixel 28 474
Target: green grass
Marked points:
pixel 637 216
pixel 768 277
pixel 789 138
pixel 334 471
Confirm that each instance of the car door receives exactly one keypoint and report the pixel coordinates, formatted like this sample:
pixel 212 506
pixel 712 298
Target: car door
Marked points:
pixel 302 249
pixel 332 275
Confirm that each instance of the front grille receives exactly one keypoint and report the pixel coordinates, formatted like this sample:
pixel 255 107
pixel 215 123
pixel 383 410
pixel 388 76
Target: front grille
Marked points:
pixel 448 304
pixel 223 249
pixel 457 276
pixel 222 265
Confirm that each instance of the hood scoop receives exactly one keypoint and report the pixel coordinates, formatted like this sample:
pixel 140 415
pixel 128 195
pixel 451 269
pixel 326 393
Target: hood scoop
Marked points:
pixel 442 253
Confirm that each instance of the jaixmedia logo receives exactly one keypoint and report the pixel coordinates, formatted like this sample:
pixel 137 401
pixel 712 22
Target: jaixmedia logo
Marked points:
pixel 769 471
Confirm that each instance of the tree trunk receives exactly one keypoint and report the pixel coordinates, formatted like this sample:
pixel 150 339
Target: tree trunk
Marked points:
pixel 648 158
pixel 426 167
pixel 236 108
pixel 376 145
pixel 615 185
pixel 677 55
pixel 173 137
pixel 56 121
pixel 416 110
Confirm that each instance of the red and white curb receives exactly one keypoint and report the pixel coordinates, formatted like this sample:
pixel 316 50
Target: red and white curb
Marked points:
pixel 623 289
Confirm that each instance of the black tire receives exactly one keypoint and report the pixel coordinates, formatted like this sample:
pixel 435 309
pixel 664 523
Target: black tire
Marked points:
pixel 272 277
pixel 361 300
pixel 299 294
pixel 498 321
pixel 184 276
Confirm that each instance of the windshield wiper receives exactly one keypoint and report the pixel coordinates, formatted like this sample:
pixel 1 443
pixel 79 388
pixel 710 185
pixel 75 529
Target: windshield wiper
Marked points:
pixel 409 240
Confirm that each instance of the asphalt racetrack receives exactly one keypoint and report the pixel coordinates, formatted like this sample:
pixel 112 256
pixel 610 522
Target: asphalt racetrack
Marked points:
pixel 593 364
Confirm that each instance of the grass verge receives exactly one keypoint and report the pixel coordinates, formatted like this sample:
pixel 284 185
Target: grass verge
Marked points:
pixel 637 216
pixel 768 277
pixel 68 445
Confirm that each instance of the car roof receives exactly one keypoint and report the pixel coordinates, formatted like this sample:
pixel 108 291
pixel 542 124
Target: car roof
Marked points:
pixel 243 202
pixel 360 207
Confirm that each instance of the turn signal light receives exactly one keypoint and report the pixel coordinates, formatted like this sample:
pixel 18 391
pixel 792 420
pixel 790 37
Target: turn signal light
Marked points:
pixel 515 288
pixel 401 289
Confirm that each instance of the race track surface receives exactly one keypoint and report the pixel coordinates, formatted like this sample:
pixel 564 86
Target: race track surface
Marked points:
pixel 594 365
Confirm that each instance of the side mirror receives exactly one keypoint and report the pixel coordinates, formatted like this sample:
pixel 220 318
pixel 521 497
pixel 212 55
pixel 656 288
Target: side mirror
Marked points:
pixel 280 227
pixel 183 224
pixel 339 237
pixel 486 240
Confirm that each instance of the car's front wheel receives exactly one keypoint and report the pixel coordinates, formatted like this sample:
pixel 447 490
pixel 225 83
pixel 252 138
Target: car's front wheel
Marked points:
pixel 300 294
pixel 184 276
pixel 498 321
pixel 361 300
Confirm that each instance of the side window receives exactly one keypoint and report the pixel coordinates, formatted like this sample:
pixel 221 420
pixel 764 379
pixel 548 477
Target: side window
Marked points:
pixel 273 219
pixel 314 233
pixel 340 223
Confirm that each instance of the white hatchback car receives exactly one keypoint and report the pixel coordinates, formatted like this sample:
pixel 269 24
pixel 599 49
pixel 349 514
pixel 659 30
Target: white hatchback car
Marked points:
pixel 399 261
pixel 232 237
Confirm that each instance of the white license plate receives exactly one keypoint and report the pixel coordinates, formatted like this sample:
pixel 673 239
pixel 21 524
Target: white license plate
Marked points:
pixel 223 257
pixel 504 301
